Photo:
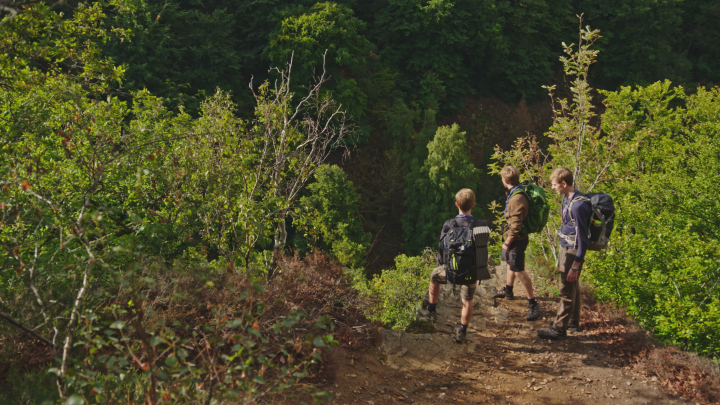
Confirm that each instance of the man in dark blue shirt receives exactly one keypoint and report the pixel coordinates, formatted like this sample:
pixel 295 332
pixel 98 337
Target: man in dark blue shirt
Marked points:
pixel 574 241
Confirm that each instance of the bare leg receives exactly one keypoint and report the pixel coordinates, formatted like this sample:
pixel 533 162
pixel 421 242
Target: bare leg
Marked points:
pixel 510 276
pixel 526 282
pixel 433 292
pixel 467 311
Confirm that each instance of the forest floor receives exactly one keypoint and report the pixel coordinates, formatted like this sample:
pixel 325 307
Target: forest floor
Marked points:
pixel 503 361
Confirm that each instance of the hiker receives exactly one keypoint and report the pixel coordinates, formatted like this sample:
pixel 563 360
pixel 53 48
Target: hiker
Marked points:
pixel 574 241
pixel 464 201
pixel 517 207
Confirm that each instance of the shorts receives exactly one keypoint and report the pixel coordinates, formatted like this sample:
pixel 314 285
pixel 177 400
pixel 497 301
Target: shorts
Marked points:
pixel 515 255
pixel 466 291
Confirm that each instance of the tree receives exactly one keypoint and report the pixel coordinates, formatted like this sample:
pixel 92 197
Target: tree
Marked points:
pixel 431 188
pixel 294 138
pixel 639 44
pixel 332 219
pixel 177 53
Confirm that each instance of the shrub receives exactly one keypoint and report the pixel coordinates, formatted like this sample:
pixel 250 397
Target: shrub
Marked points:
pixel 397 293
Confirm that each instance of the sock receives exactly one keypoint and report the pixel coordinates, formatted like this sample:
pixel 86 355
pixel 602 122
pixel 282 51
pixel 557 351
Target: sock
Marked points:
pixel 509 288
pixel 532 302
pixel 463 328
pixel 432 307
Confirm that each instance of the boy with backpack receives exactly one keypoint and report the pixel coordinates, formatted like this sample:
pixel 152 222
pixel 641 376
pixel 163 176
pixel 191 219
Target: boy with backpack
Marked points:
pixel 456 259
pixel 577 212
pixel 517 207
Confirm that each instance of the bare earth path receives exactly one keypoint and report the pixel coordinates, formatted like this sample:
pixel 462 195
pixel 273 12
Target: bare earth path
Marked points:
pixel 501 362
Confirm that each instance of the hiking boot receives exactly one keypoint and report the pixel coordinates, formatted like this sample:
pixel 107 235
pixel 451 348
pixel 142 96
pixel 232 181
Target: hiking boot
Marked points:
pixel 504 293
pixel 427 315
pixel 458 333
pixel 533 312
pixel 574 327
pixel 551 333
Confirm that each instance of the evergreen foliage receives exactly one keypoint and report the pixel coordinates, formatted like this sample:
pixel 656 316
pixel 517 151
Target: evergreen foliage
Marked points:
pixel 431 188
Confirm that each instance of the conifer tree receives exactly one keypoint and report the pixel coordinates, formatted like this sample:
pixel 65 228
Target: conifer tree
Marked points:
pixel 431 188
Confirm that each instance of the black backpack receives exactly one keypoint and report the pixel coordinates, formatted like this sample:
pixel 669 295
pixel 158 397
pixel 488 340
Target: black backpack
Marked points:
pixel 459 255
pixel 602 220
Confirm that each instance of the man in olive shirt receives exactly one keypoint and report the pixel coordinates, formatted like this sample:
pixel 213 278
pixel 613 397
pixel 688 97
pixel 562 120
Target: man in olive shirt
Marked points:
pixel 516 210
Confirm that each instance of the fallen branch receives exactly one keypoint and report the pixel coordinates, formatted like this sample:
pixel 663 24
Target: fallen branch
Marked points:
pixel 12 321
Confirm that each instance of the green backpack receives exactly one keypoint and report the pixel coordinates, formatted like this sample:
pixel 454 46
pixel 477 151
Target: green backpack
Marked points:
pixel 539 208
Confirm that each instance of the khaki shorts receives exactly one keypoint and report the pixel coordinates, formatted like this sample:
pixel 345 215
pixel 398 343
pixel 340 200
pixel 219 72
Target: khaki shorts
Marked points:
pixel 467 292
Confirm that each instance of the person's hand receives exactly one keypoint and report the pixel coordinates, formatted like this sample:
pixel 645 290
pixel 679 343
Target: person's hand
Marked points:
pixel 572 275
pixel 505 246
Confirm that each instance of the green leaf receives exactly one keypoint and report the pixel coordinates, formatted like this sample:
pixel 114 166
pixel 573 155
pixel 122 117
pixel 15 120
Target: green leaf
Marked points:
pixel 171 361
pixel 75 399
pixel 118 325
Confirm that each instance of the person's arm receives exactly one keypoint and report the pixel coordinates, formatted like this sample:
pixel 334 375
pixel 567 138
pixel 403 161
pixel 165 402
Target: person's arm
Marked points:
pixel 582 214
pixel 440 258
pixel 517 210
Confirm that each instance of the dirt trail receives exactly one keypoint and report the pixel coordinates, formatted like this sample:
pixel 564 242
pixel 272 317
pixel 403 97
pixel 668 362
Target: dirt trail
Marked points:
pixel 501 361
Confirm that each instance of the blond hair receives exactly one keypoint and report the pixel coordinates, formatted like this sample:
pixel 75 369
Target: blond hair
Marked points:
pixel 511 175
pixel 562 174
pixel 465 199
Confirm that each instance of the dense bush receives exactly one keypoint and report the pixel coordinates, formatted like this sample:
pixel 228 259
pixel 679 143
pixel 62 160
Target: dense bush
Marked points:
pixel 329 216
pixel 99 195
pixel 397 293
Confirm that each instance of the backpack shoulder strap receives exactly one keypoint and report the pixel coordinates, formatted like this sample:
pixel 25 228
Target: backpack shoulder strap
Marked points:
pixel 573 201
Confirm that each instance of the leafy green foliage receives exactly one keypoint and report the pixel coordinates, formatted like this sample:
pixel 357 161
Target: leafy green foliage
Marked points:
pixel 664 262
pixel 327 26
pixel 326 33
pixel 640 41
pixel 140 350
pixel 330 216
pixel 175 52
pixel 399 291
pixel 95 191
pixel 431 188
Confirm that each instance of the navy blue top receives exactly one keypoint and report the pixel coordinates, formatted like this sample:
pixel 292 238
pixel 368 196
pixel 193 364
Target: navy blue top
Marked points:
pixel 582 212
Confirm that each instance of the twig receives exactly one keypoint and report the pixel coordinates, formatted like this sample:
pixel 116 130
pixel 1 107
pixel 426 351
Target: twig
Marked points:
pixel 14 322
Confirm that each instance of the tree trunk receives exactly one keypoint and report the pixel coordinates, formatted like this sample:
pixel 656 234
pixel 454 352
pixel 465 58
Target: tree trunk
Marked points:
pixel 279 247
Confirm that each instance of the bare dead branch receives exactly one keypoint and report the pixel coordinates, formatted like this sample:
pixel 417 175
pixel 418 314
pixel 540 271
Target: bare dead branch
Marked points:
pixel 19 325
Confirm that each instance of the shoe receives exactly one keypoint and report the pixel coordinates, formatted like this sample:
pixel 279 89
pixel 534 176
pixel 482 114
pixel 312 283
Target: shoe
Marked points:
pixel 533 312
pixel 427 315
pixel 574 327
pixel 504 293
pixel 458 333
pixel 551 333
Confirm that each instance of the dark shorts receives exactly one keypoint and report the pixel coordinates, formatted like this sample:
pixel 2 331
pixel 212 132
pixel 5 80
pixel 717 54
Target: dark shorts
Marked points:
pixel 466 291
pixel 515 255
